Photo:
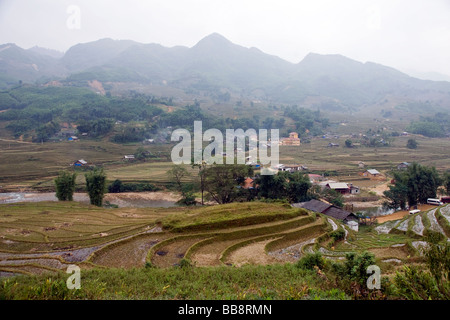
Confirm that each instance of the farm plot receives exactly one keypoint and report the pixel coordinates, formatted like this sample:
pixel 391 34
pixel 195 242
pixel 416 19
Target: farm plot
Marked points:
pixel 128 253
pixel 418 225
pixel 47 236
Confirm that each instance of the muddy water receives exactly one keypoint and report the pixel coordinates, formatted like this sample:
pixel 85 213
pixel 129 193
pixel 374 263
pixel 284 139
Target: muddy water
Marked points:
pixel 137 200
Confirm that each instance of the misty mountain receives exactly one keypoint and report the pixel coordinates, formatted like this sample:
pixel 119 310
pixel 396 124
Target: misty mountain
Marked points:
pixel 215 64
pixel 48 52
pixel 27 65
pixel 84 56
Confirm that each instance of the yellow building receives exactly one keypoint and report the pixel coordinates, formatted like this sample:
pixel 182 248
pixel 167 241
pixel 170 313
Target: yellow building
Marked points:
pixel 293 140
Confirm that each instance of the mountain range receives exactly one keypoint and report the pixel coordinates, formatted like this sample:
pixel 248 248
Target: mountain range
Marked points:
pixel 215 64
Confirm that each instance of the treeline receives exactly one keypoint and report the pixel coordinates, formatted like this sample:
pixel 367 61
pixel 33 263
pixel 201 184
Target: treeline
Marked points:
pixel 36 111
pixel 433 127
pixel 229 183
pixel 31 108
pixel 307 122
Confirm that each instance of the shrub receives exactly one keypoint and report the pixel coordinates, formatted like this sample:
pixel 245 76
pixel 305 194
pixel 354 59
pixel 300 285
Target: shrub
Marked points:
pixel 185 263
pixel 354 269
pixel 118 186
pixel 311 260
pixel 412 144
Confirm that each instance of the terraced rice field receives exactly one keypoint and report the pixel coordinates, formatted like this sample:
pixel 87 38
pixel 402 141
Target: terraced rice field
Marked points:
pixel 49 236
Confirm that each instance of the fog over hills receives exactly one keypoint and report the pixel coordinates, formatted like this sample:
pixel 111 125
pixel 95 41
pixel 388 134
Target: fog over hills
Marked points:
pixel 215 64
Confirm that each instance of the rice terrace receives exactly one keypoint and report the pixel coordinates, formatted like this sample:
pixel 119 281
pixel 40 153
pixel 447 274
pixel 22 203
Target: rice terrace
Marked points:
pixel 44 238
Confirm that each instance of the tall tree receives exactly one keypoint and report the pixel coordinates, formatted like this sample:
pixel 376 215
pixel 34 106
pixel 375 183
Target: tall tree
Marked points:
pixel 222 181
pixel 96 186
pixel 201 174
pixel 413 186
pixel 177 175
pixel 397 195
pixel 297 187
pixel 273 186
pixel 65 186
pixel 284 185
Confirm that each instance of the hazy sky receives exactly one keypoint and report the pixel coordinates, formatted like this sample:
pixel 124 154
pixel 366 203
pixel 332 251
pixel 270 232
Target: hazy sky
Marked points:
pixel 404 34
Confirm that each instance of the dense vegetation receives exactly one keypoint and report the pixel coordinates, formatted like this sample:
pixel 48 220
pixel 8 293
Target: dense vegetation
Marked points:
pixel 413 186
pixel 41 108
pixel 39 111
pixel 436 126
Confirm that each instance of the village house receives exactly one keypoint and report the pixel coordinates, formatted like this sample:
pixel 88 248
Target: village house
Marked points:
pixel 354 189
pixel 371 173
pixel 80 163
pixel 293 140
pixel 403 166
pixel 315 178
pixel 291 167
pixel 129 157
pixel 324 183
pixel 340 187
pixel 330 210
pixel 333 145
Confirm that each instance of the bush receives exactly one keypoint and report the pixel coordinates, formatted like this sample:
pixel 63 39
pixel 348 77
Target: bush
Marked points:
pixel 185 263
pixel 311 260
pixel 411 144
pixel 354 269
pixel 337 235
pixel 118 186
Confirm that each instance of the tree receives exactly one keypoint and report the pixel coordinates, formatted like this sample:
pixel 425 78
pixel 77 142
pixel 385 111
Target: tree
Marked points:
pixel 411 144
pixel 222 181
pixel 96 186
pixel 423 183
pixel 291 186
pixel 348 143
pixel 413 186
pixel 397 195
pixel 142 154
pixel 297 187
pixel 273 186
pixel 65 186
pixel 176 175
pixel 201 174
